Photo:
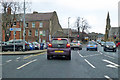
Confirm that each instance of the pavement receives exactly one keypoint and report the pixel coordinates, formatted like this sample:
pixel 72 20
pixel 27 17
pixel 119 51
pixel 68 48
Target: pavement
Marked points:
pixel 97 65
pixel 22 53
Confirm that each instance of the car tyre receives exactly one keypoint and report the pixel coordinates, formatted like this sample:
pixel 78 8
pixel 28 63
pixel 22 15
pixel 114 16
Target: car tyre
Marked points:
pixel 104 49
pixel 69 57
pixel 87 49
pixel 114 50
pixel 20 49
pixel 48 57
pixel 95 49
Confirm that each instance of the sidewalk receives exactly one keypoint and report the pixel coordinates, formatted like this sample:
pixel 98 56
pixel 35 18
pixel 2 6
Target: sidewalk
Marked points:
pixel 22 53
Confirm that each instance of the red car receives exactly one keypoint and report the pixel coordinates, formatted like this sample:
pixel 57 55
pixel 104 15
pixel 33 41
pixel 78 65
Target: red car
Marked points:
pixel 59 47
pixel 118 44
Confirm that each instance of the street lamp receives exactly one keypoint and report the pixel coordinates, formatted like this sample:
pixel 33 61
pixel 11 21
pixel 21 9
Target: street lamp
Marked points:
pixel 68 27
pixel 24 28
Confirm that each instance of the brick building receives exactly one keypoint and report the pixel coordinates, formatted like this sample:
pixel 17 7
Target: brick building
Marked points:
pixel 39 27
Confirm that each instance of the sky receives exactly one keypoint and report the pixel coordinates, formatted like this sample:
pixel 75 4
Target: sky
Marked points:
pixel 94 11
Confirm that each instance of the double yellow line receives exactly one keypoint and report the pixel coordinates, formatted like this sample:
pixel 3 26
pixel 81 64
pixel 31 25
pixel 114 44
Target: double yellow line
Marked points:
pixel 32 55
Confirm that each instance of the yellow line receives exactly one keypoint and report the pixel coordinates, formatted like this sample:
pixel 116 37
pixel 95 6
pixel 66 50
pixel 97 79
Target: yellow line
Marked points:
pixel 33 55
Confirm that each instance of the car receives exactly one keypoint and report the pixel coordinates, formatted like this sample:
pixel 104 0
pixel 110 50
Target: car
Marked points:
pixel 32 47
pixel 37 45
pixel 110 46
pixel 118 44
pixel 102 43
pixel 59 47
pixel 91 46
pixel 76 44
pixel 9 45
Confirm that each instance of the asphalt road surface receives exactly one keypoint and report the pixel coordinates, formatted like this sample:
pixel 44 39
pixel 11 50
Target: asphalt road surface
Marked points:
pixel 84 64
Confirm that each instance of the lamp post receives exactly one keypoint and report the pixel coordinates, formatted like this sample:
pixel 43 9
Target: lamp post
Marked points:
pixel 68 27
pixel 24 28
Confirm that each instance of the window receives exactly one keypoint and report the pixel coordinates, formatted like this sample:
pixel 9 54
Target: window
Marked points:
pixel 26 24
pixel 41 25
pixel 14 24
pixel 29 32
pixel 36 32
pixel 33 25
pixel 43 33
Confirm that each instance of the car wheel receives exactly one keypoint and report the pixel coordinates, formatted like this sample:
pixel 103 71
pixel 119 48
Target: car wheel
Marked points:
pixel 48 57
pixel 20 49
pixel 68 57
pixel 114 50
pixel 87 49
pixel 104 49
pixel 95 49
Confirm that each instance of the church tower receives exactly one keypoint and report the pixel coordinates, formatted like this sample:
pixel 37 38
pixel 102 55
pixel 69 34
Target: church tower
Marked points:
pixel 108 26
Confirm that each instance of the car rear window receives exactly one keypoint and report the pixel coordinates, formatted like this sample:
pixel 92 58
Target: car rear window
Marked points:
pixel 59 41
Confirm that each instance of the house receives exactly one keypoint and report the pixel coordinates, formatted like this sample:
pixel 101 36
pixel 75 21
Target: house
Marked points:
pixel 39 27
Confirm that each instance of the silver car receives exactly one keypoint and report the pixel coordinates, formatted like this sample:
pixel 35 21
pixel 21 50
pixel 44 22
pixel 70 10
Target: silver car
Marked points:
pixel 76 44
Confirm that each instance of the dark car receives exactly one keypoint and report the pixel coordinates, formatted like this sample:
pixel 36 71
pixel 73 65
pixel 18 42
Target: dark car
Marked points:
pixel 76 44
pixel 59 47
pixel 110 46
pixel 9 45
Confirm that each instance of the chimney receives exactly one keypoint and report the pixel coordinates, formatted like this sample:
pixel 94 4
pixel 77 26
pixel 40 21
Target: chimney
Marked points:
pixel 9 10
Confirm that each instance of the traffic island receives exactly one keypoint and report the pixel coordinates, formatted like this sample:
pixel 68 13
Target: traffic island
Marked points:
pixel 23 53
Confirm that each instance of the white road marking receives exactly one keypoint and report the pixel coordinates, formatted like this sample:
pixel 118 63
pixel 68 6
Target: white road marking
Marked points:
pixel 18 58
pixel 8 61
pixel 27 64
pixel 80 54
pixel 107 77
pixel 112 66
pixel 91 55
pixel 101 53
pixel 89 63
pixel 111 62
pixel 109 56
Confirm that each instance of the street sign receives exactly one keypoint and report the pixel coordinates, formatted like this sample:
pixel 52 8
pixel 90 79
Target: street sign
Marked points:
pixel 15 29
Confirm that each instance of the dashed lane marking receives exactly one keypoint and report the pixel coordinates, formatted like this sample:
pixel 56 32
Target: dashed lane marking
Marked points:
pixel 79 54
pixel 89 63
pixel 8 61
pixel 109 56
pixel 107 77
pixel 18 58
pixel 26 64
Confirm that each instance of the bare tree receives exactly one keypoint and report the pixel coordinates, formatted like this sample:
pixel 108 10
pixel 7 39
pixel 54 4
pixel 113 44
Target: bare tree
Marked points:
pixel 10 14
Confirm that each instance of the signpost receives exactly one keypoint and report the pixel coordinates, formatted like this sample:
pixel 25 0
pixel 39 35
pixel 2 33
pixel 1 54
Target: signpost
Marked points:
pixel 14 30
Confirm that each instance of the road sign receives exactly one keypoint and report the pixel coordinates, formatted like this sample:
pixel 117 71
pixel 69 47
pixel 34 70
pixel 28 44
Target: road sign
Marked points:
pixel 15 29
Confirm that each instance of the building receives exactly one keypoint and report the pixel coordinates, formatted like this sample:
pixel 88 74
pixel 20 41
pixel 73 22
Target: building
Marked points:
pixel 108 26
pixel 100 37
pixel 93 36
pixel 119 18
pixel 40 27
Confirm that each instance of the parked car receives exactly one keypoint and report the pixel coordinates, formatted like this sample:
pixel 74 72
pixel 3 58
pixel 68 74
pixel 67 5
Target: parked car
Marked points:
pixel 32 47
pixel 59 47
pixel 92 46
pixel 37 45
pixel 110 46
pixel 102 43
pixel 76 44
pixel 118 44
pixel 9 45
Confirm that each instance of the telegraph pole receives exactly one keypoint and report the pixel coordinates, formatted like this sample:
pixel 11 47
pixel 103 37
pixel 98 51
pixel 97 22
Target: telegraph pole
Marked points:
pixel 24 28
pixel 68 27
pixel 78 20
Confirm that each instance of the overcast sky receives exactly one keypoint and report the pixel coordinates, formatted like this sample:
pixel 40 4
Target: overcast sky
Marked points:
pixel 94 11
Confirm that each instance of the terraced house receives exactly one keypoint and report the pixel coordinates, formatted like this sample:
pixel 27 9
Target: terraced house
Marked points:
pixel 40 27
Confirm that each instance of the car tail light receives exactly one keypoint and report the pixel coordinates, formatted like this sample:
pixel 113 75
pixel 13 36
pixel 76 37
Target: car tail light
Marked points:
pixel 50 45
pixel 78 43
pixel 68 45
pixel 95 45
pixel 59 38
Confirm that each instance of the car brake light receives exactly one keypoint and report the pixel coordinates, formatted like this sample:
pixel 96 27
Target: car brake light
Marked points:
pixel 59 38
pixel 68 45
pixel 49 45
pixel 95 45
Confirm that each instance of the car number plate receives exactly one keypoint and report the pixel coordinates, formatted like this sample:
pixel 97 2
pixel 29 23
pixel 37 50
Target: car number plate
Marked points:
pixel 58 51
pixel 91 46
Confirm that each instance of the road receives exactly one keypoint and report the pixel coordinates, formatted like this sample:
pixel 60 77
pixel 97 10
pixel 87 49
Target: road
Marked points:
pixel 84 64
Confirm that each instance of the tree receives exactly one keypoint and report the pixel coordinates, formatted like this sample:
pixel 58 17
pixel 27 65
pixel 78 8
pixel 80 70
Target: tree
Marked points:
pixel 10 14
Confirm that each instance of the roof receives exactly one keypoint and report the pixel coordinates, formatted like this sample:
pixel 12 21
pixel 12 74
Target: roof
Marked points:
pixel 38 16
